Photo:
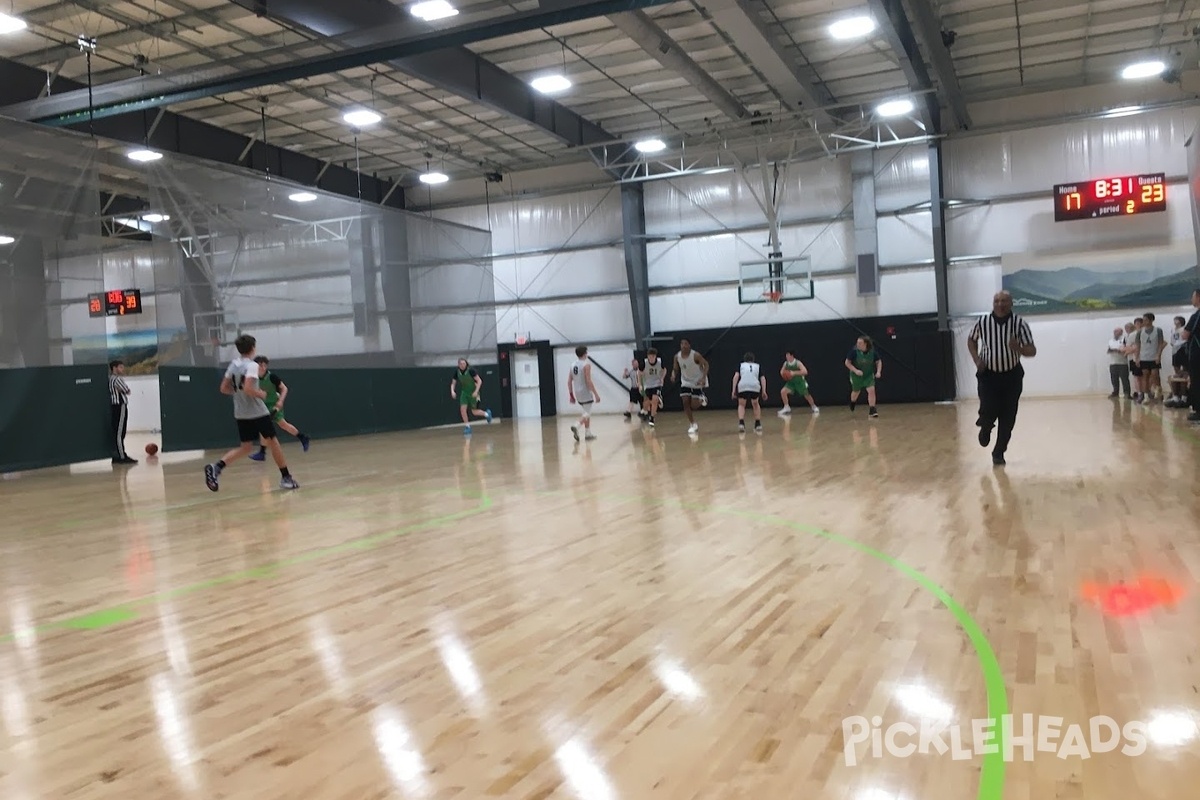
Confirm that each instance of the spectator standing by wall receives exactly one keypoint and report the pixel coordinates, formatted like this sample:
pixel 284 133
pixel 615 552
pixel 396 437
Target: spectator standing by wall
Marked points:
pixel 1118 366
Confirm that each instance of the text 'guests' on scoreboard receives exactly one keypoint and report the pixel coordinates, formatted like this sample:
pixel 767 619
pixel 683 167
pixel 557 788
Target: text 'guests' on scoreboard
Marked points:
pixel 115 303
pixel 1110 197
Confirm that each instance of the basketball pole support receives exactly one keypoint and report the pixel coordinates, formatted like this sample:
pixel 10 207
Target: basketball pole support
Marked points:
pixel 774 184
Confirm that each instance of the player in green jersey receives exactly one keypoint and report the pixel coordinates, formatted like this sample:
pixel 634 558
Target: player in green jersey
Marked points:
pixel 795 381
pixel 277 392
pixel 865 368
pixel 468 384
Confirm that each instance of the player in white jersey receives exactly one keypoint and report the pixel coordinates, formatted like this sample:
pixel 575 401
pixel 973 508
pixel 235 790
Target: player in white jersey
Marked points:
pixel 749 384
pixel 582 391
pixel 692 370
pixel 651 377
pixel 635 393
pixel 252 415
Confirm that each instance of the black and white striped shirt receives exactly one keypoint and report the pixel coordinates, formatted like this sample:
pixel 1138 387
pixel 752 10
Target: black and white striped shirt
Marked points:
pixel 118 390
pixel 991 335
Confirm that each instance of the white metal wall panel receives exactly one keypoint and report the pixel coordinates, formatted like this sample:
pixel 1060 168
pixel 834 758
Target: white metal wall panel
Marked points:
pixel 905 239
pixel 702 203
pixel 577 322
pixel 994 165
pixel 901 177
pixel 588 217
pixel 908 292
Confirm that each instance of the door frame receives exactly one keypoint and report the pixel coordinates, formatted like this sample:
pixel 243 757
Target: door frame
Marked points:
pixel 547 380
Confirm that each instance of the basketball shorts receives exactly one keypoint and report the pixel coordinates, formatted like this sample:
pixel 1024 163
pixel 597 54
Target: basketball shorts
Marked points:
pixel 467 399
pixel 1135 369
pixel 1179 360
pixel 860 382
pixel 635 395
pixel 653 391
pixel 1149 366
pixel 798 385
pixel 748 396
pixel 691 391
pixel 251 430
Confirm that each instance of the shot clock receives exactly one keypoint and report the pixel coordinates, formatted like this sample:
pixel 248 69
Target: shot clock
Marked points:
pixel 115 303
pixel 1110 197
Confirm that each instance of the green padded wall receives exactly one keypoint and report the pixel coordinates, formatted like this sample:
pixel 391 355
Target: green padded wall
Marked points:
pixel 54 415
pixel 324 403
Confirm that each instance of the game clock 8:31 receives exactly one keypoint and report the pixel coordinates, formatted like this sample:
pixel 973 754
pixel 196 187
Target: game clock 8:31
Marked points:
pixel 1110 197
pixel 115 303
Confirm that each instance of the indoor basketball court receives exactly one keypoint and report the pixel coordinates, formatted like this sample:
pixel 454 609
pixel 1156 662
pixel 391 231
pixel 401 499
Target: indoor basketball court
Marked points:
pixel 643 378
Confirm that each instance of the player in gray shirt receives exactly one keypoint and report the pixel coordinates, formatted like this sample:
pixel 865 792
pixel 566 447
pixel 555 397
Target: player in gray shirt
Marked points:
pixel 252 416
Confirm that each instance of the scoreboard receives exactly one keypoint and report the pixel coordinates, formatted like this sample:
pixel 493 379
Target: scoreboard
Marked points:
pixel 1110 197
pixel 115 303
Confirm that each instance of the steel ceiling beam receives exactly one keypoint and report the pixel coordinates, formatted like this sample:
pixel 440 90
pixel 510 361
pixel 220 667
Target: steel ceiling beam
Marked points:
pixel 797 83
pixel 456 70
pixel 929 28
pixel 655 41
pixel 896 30
pixel 244 74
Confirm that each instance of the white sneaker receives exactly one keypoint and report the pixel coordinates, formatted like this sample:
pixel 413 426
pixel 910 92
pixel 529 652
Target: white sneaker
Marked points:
pixel 816 410
pixel 693 428
pixel 590 436
pixel 783 412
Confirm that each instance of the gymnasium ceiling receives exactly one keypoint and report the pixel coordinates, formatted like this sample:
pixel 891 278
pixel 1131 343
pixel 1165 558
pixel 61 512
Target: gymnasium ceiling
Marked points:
pixel 998 49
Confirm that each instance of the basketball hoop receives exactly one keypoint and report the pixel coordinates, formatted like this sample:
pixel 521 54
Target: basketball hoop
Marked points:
pixel 773 297
pixel 521 340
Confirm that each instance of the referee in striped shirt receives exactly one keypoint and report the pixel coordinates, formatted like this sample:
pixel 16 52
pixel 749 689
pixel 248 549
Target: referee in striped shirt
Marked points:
pixel 118 395
pixel 997 343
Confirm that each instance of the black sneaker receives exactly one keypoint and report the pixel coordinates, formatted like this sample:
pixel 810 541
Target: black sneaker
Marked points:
pixel 874 412
pixel 998 460
pixel 985 437
pixel 212 477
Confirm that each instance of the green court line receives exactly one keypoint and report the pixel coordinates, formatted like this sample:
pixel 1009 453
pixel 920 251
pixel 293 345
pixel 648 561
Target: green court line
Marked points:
pixel 992 774
pixel 124 612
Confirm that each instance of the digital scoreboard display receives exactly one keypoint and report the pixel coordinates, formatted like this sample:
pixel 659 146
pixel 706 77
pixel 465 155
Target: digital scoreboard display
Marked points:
pixel 115 303
pixel 1110 197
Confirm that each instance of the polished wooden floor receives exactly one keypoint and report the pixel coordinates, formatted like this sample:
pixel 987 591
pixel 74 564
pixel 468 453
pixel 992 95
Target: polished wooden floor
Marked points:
pixel 647 615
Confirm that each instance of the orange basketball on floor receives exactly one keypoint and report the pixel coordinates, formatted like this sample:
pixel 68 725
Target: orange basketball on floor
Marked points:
pixel 151 449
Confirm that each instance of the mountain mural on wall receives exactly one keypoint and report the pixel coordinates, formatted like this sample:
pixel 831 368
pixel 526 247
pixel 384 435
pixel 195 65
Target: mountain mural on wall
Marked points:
pixel 1055 291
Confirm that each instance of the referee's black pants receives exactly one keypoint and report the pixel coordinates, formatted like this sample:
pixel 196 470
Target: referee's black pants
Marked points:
pixel 999 397
pixel 1193 367
pixel 120 421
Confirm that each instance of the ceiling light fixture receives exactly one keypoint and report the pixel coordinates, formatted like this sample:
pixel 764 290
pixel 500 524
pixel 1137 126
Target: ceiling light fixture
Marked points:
pixel 6 240
pixel 144 156
pixel 432 10
pixel 302 197
pixel 852 27
pixel 551 84
pixel 649 146
pixel 894 108
pixel 11 24
pixel 1122 111
pixel 434 177
pixel 156 217
pixel 1143 69
pixel 361 117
